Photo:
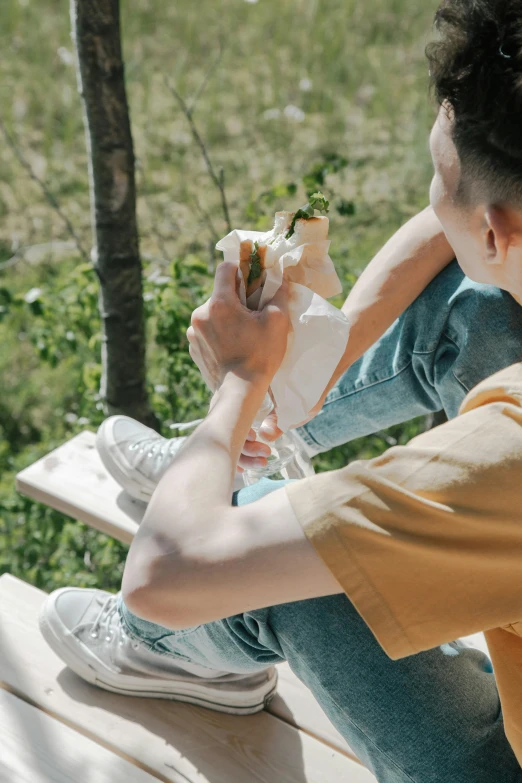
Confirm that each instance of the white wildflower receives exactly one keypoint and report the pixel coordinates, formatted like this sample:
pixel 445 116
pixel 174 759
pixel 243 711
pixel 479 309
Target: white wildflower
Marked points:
pixel 271 114
pixel 294 113
pixel 32 295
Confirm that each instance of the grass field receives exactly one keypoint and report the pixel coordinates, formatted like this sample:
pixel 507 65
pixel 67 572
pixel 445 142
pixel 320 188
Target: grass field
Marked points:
pixel 302 86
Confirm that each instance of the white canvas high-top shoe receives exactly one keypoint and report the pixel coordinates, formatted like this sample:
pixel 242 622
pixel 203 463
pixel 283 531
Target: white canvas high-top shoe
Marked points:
pixel 83 627
pixel 135 455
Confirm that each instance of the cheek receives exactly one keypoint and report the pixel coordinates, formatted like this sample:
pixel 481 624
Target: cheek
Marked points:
pixel 465 240
pixel 440 202
pixel 435 194
pixel 468 250
pixel 441 205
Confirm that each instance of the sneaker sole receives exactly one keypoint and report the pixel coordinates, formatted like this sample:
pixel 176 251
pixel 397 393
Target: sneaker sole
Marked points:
pixel 246 703
pixel 131 488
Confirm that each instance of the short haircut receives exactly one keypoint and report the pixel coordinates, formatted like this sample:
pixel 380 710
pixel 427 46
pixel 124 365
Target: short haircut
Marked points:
pixel 476 71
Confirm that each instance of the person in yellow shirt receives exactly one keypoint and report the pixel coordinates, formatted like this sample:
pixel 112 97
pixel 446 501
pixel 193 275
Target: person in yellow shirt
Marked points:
pixel 413 549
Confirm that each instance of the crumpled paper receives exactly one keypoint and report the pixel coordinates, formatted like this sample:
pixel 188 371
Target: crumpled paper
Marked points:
pixel 319 332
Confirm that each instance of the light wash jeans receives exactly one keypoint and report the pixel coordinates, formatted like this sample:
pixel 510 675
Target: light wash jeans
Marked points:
pixel 429 718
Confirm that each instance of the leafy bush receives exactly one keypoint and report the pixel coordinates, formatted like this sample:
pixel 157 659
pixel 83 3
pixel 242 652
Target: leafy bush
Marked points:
pixel 60 319
pixel 349 117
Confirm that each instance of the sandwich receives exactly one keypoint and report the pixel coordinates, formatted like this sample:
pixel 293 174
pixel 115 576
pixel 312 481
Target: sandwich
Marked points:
pixel 291 229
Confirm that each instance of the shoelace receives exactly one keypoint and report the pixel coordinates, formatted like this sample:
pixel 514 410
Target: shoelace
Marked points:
pixel 107 621
pixel 157 445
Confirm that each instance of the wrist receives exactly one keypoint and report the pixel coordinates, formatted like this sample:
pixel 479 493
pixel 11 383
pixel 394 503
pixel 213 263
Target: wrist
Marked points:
pixel 245 384
pixel 241 375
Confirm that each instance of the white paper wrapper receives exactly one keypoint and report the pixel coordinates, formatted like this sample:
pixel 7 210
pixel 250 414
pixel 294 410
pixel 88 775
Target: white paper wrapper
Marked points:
pixel 319 330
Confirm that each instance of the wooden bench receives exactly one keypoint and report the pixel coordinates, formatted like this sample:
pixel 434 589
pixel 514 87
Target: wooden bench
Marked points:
pixel 292 740
pixel 56 721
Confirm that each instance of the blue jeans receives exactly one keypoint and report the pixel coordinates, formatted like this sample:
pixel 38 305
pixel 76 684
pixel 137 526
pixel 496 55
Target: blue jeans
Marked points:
pixel 432 717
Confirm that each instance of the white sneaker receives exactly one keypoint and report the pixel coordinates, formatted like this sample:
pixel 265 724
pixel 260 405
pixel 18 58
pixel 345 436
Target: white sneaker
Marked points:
pixel 136 456
pixel 83 628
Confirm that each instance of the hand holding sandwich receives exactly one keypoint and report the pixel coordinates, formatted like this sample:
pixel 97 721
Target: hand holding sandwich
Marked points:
pixel 227 337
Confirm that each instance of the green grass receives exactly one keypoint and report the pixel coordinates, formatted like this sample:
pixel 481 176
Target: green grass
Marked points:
pixel 357 73
pixel 368 102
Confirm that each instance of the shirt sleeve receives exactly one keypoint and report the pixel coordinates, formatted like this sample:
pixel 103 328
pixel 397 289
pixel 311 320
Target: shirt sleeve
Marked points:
pixel 426 540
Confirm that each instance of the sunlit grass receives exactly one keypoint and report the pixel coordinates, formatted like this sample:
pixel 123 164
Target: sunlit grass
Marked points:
pixel 354 71
pixel 298 80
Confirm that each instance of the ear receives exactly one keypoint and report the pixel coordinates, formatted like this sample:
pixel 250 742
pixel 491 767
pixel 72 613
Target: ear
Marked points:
pixel 502 233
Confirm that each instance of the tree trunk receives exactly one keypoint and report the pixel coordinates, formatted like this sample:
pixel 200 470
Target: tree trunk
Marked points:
pixel 116 255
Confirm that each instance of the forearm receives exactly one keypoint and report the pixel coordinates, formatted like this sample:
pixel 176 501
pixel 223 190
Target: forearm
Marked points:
pixel 191 498
pixel 196 559
pixel 395 277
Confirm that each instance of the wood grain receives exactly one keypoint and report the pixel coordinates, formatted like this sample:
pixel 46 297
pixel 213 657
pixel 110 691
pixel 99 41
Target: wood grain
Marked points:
pixel 175 742
pixel 72 479
pixel 36 748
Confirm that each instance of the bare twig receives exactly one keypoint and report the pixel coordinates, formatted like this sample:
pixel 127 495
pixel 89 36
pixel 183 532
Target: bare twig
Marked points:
pixel 217 178
pixel 386 438
pixel 51 199
pixel 213 234
pixel 154 231
pixel 203 86
pixel 12 261
pixel 160 239
pixel 206 219
pixel 33 254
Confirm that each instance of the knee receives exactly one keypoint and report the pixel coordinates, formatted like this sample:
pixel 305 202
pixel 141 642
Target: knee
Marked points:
pixel 486 325
pixel 455 300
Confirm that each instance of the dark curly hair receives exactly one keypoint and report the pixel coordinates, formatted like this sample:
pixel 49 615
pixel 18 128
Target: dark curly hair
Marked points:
pixel 476 70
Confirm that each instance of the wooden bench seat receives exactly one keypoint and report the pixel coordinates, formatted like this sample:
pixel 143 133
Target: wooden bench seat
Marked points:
pixel 36 748
pixel 143 739
pixel 73 480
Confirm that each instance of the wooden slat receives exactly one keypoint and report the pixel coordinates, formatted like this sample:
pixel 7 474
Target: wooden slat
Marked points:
pixel 36 748
pixel 176 742
pixel 72 479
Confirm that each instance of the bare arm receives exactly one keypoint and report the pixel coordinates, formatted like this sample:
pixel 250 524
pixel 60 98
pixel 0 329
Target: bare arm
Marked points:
pixel 395 277
pixel 195 558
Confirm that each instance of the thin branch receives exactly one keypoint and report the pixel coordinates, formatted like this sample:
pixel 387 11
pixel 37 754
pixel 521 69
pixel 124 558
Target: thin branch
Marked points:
pixel 203 86
pixel 51 199
pixel 12 261
pixel 213 234
pixel 34 253
pixel 154 231
pixel 160 239
pixel 386 438
pixel 206 218
pixel 217 178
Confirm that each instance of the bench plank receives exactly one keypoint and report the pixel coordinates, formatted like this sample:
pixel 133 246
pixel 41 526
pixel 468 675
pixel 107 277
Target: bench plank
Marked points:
pixel 36 748
pixel 175 742
pixel 73 480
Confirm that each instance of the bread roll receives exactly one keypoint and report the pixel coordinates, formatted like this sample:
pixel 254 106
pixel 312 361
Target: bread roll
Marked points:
pixel 246 249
